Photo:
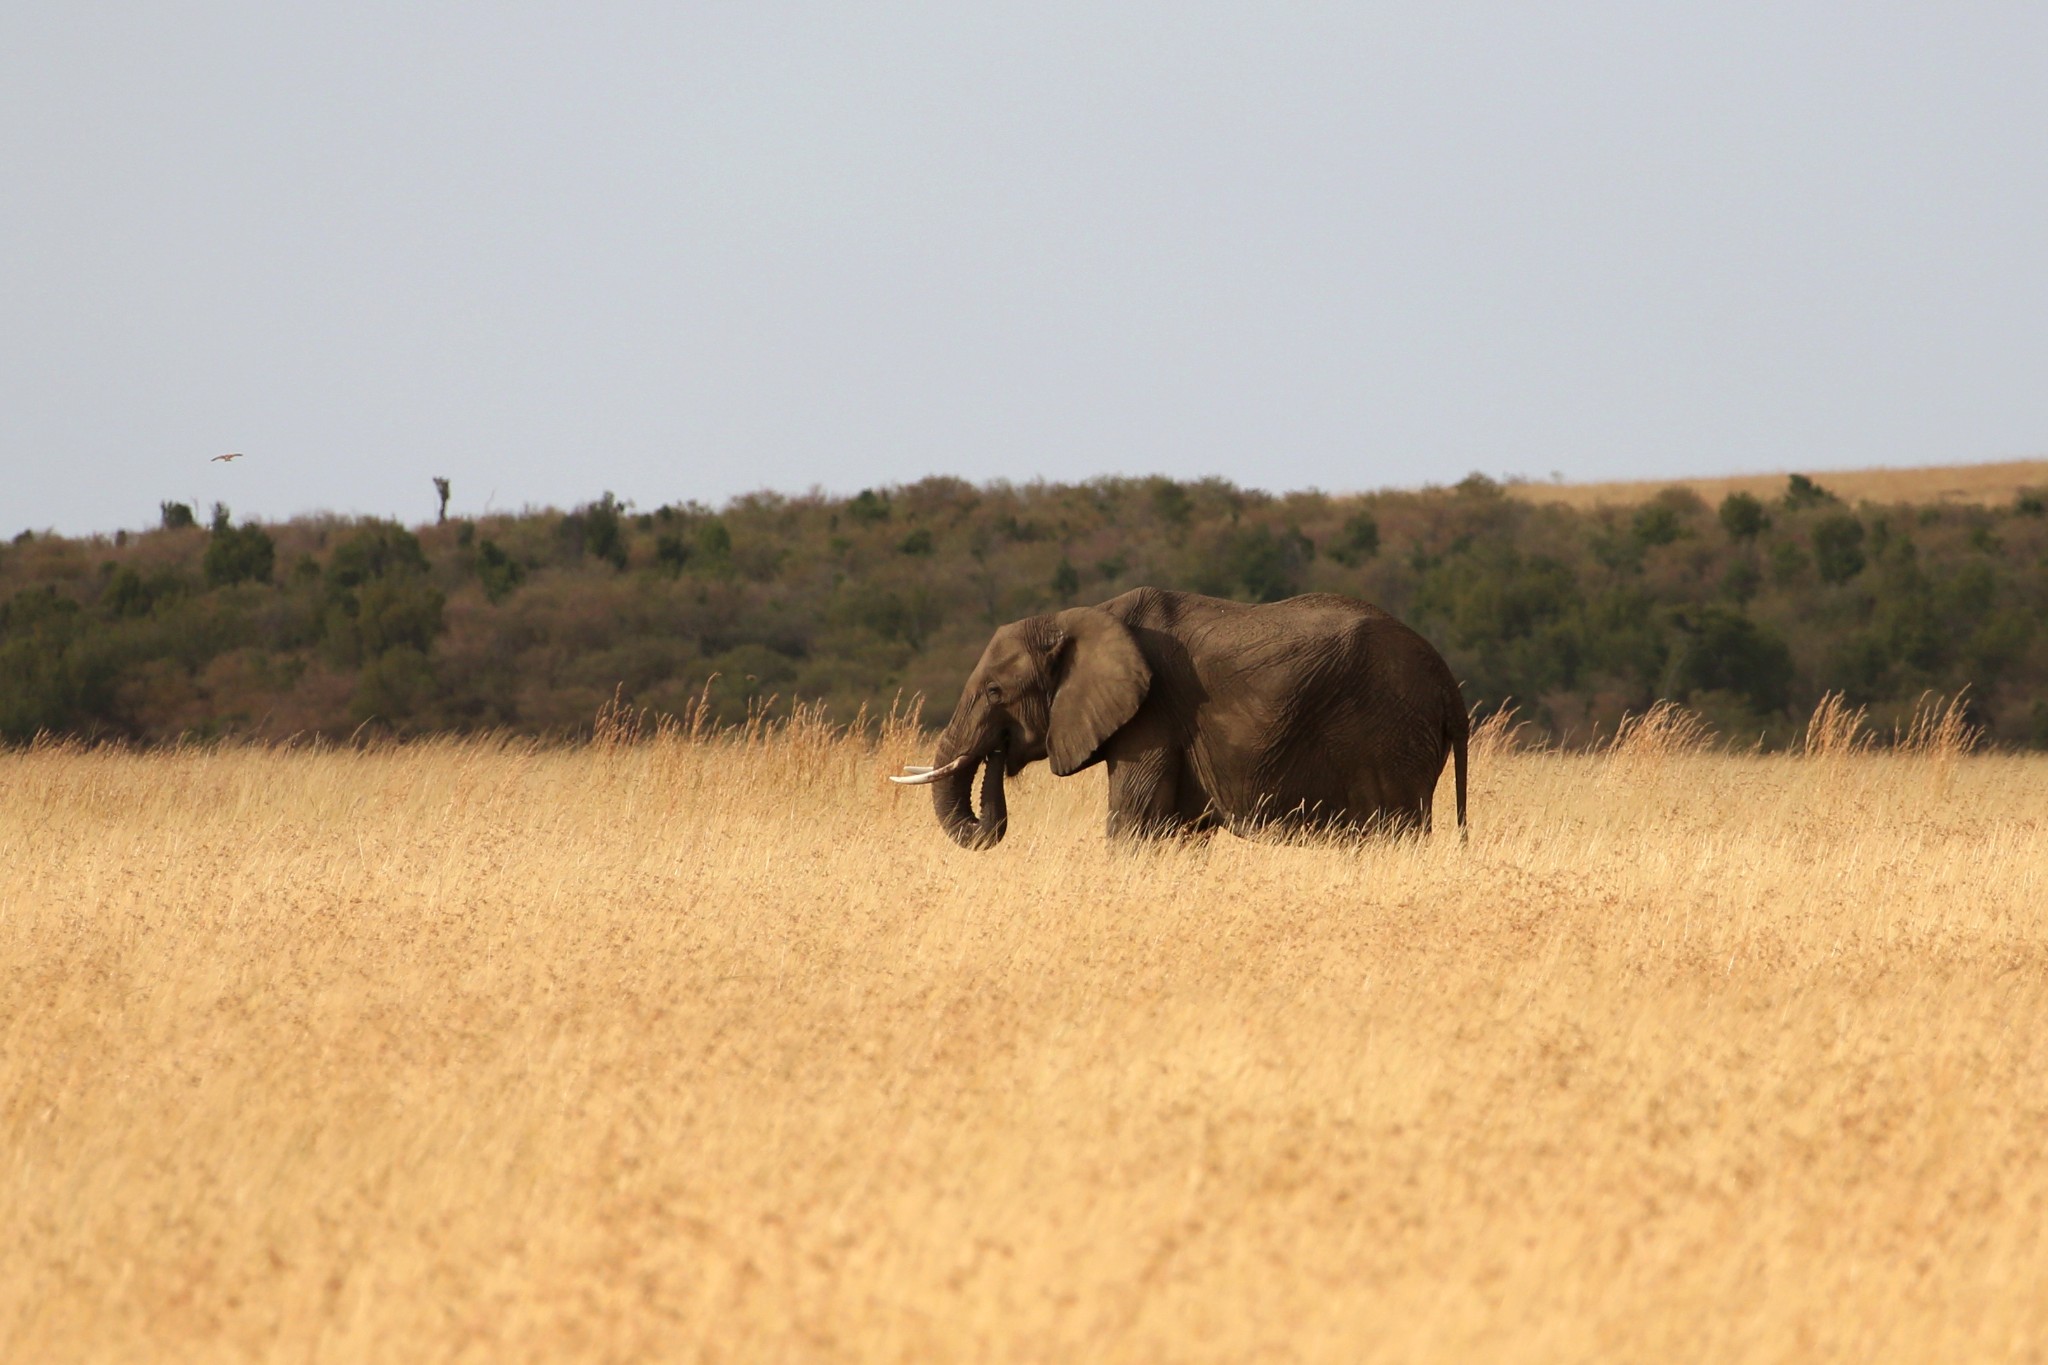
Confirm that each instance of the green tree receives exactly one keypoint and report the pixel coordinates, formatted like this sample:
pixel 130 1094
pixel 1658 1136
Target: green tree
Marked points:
pixel 1658 523
pixel 393 686
pixel 1262 564
pixel 1726 651
pixel 1838 548
pixel 57 672
pixel 1509 625
pixel 1172 505
pixel 1788 564
pixel 598 530
pixel 868 507
pixel 1618 551
pixel 714 546
pixel 1741 581
pixel 671 553
pixel 237 554
pixel 379 596
pixel 1743 516
pixel 383 614
pixel 377 549
pixel 1066 580
pixel 497 571
pixel 1802 492
pixel 126 595
pixel 1357 540
pixel 906 613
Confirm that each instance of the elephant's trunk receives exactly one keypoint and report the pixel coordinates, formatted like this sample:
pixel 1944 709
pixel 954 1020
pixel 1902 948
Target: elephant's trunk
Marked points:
pixel 952 799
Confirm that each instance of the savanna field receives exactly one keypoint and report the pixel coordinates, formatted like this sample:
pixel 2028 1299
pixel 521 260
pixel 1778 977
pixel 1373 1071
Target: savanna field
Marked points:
pixel 716 1049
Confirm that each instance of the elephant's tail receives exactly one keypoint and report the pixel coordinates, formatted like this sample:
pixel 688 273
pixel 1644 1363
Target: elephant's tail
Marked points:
pixel 1460 732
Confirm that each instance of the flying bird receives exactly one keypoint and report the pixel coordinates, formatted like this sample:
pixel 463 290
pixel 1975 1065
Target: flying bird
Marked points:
pixel 220 458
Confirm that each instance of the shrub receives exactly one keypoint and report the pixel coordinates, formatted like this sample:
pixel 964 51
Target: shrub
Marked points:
pixel 1743 516
pixel 597 529
pixel 671 554
pixel 1262 564
pixel 1618 553
pixel 868 507
pixel 59 668
pixel 1171 504
pixel 378 596
pixel 125 594
pixel 497 571
pixel 905 614
pixel 384 614
pixel 1802 492
pixel 1838 548
pixel 237 554
pixel 1509 625
pixel 1729 652
pixel 1741 581
pixel 1357 541
pixel 1658 524
pixel 392 686
pixel 1788 563
pixel 378 549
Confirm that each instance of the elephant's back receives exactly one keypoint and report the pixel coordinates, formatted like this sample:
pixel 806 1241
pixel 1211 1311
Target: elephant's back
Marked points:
pixel 1318 652
pixel 1316 615
pixel 1365 651
pixel 1317 704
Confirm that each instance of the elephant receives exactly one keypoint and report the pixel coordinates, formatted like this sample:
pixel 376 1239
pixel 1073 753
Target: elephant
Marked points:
pixel 1314 713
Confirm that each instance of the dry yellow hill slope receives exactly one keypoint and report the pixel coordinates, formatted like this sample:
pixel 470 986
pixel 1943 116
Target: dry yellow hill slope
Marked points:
pixel 1982 484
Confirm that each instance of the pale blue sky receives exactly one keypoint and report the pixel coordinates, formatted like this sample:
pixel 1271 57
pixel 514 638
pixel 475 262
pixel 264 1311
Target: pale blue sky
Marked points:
pixel 687 251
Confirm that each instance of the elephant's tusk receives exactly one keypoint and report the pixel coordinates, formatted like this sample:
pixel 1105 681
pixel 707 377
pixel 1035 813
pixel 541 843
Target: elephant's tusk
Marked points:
pixel 917 767
pixel 919 778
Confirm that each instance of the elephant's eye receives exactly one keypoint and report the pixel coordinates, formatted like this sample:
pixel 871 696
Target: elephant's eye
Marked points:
pixel 995 693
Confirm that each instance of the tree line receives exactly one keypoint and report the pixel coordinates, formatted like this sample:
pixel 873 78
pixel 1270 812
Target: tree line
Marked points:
pixel 1747 610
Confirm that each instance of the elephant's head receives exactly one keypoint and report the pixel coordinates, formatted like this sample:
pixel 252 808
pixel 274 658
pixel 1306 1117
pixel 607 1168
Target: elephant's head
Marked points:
pixel 1054 687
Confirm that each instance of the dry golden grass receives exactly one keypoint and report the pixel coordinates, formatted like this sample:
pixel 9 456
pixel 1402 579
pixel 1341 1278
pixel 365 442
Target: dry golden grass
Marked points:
pixel 1983 484
pixel 714 1051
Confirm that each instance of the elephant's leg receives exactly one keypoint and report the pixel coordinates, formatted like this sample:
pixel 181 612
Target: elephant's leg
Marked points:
pixel 1412 807
pixel 1390 798
pixel 1141 796
pixel 1145 781
pixel 1409 816
pixel 1192 807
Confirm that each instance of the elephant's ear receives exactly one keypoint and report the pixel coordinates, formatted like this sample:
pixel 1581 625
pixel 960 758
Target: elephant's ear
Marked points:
pixel 1102 679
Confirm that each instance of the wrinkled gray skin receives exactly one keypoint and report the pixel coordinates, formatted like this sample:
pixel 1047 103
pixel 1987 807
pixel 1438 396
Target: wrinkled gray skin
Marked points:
pixel 1319 712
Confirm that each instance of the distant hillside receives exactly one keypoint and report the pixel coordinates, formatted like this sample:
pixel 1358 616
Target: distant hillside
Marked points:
pixel 1746 606
pixel 1987 485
